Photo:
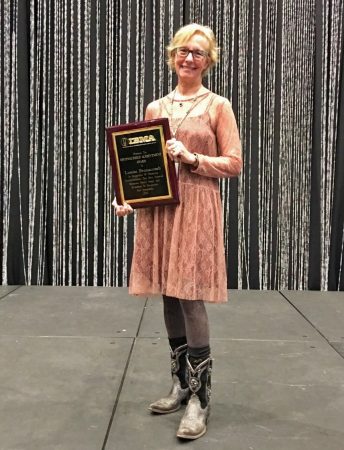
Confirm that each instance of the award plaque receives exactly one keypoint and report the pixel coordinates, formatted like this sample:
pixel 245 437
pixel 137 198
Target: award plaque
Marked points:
pixel 143 174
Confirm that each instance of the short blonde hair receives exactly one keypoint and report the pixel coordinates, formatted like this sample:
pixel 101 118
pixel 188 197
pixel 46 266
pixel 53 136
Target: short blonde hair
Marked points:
pixel 184 34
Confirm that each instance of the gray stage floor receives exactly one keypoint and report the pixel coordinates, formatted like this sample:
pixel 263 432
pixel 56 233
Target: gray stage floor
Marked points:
pixel 78 367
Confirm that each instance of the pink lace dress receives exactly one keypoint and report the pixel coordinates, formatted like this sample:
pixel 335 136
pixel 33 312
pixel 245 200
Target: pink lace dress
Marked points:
pixel 179 250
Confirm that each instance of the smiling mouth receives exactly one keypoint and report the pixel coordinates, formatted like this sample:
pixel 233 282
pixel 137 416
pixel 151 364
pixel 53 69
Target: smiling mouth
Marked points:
pixel 188 67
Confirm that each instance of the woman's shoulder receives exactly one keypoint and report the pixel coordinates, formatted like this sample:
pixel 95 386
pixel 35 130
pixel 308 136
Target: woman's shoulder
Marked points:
pixel 219 106
pixel 153 107
pixel 219 100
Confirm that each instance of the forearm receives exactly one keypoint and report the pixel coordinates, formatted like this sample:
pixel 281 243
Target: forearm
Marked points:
pixel 219 166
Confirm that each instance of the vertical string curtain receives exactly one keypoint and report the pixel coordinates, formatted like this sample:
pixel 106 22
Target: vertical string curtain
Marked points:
pixel 70 68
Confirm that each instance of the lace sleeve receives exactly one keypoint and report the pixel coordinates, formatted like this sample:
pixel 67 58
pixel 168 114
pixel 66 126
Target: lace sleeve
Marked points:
pixel 228 163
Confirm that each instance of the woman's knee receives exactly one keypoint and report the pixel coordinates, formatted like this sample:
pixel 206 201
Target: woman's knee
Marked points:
pixel 193 308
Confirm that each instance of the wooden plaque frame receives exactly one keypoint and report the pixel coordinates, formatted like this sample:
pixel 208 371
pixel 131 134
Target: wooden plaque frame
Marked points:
pixel 143 174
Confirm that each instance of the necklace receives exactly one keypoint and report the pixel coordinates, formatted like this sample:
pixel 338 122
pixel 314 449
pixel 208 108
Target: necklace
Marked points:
pixel 181 101
pixel 193 101
pixel 186 99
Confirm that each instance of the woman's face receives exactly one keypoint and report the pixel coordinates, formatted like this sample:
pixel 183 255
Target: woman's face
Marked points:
pixel 190 66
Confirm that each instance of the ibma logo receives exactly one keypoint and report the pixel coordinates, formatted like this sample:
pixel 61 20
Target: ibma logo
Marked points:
pixel 124 142
pixel 137 140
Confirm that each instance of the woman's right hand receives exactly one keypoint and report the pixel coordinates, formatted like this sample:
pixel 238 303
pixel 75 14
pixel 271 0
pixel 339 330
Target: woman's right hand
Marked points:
pixel 122 210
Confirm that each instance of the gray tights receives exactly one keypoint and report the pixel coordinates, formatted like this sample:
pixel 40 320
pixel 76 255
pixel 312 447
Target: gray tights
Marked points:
pixel 187 318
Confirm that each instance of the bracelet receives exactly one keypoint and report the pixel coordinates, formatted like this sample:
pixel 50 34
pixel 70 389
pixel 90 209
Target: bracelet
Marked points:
pixel 196 163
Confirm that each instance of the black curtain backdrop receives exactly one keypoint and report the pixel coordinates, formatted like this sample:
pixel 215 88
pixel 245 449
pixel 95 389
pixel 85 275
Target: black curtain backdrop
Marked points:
pixel 70 68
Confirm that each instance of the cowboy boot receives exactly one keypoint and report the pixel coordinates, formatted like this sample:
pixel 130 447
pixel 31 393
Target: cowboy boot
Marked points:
pixel 179 390
pixel 194 422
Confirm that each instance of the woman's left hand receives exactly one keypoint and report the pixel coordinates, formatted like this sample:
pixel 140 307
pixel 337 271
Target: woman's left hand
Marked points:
pixel 177 152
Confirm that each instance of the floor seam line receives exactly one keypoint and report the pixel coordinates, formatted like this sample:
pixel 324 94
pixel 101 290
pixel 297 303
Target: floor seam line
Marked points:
pixel 123 379
pixel 311 323
pixel 10 292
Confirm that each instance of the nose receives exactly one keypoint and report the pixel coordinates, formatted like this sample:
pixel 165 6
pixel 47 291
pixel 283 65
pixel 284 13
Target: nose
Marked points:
pixel 190 56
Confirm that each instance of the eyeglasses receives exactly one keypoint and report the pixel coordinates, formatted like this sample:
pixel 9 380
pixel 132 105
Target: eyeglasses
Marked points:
pixel 197 55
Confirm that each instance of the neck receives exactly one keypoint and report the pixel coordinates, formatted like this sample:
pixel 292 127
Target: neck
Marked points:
pixel 186 89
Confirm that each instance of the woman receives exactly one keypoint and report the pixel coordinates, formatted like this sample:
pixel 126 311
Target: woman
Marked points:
pixel 179 250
